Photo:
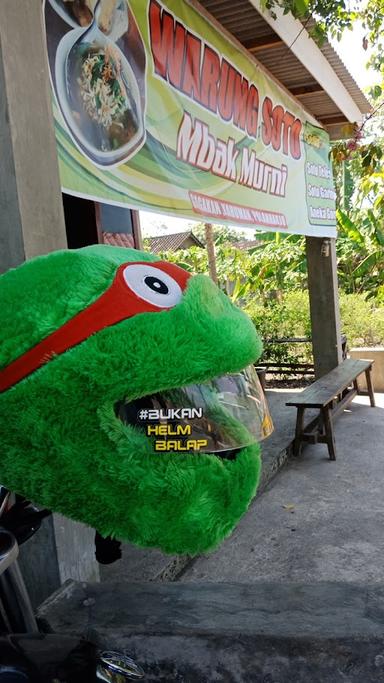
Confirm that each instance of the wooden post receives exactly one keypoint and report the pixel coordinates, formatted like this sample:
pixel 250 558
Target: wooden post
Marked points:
pixel 211 251
pixel 324 303
pixel 137 236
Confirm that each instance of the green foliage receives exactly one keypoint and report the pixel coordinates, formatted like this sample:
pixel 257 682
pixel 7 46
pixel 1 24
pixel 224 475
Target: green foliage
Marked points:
pixel 286 319
pixel 280 265
pixel 362 322
pixel 289 318
pixel 332 16
pixel 233 267
pixel 221 234
pixel 360 252
pixel 335 16
pixel 372 15
pixel 270 283
pixel 362 319
pixel 273 267
pixel 359 179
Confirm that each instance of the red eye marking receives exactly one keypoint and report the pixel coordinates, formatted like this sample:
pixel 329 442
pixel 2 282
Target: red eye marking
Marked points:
pixel 141 287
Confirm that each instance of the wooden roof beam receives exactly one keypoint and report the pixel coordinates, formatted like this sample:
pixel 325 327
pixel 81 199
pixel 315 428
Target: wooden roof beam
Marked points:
pixel 333 120
pixel 264 43
pixel 303 90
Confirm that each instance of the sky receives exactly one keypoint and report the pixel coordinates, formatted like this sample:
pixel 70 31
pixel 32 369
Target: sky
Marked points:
pixel 350 49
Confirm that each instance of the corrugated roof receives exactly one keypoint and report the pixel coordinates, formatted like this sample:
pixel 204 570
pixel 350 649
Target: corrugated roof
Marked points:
pixel 172 242
pixel 348 81
pixel 247 25
pixel 118 239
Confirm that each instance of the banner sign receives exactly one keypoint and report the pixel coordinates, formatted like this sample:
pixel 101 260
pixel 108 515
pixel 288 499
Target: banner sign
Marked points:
pixel 157 109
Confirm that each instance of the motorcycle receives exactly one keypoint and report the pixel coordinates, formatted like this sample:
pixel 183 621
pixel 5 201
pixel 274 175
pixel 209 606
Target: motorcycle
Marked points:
pixel 27 654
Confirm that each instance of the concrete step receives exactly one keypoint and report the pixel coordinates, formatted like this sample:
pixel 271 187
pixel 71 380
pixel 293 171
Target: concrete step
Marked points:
pixel 262 633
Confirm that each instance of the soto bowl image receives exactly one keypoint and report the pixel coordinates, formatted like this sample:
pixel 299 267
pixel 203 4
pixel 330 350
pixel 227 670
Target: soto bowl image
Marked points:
pixel 99 97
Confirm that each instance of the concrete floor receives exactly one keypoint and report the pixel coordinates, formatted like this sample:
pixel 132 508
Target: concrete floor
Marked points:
pixel 318 520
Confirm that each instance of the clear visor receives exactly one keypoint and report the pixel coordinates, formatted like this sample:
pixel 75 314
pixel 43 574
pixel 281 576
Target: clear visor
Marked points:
pixel 224 414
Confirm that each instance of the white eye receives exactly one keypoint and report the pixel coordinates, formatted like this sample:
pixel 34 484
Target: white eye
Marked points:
pixel 153 285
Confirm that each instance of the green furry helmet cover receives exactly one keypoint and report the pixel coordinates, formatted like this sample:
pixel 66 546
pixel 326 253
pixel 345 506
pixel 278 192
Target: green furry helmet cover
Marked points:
pixel 62 445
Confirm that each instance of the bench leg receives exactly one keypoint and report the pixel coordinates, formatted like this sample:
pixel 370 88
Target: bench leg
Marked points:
pixel 298 432
pixel 368 375
pixel 328 428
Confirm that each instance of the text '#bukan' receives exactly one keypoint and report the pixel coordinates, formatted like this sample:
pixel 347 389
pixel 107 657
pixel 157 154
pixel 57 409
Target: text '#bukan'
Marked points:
pixel 169 414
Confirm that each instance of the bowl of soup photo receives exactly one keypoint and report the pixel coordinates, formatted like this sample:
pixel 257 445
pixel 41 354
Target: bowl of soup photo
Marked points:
pixel 99 98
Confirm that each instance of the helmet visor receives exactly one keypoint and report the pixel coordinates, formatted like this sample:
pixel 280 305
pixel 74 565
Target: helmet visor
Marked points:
pixel 224 414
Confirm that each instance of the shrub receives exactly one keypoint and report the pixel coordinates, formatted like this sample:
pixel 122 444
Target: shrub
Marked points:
pixel 362 320
pixel 286 318
pixel 282 319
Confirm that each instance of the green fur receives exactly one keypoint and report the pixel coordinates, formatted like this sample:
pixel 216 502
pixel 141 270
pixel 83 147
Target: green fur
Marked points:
pixel 62 445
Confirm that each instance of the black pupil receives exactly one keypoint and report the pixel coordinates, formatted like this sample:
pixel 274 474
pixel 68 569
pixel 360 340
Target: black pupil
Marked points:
pixel 156 285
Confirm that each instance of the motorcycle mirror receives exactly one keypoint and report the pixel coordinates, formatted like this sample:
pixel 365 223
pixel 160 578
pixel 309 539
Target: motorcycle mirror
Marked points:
pixel 115 667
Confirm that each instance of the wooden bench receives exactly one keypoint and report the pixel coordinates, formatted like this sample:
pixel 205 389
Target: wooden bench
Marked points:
pixel 330 394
